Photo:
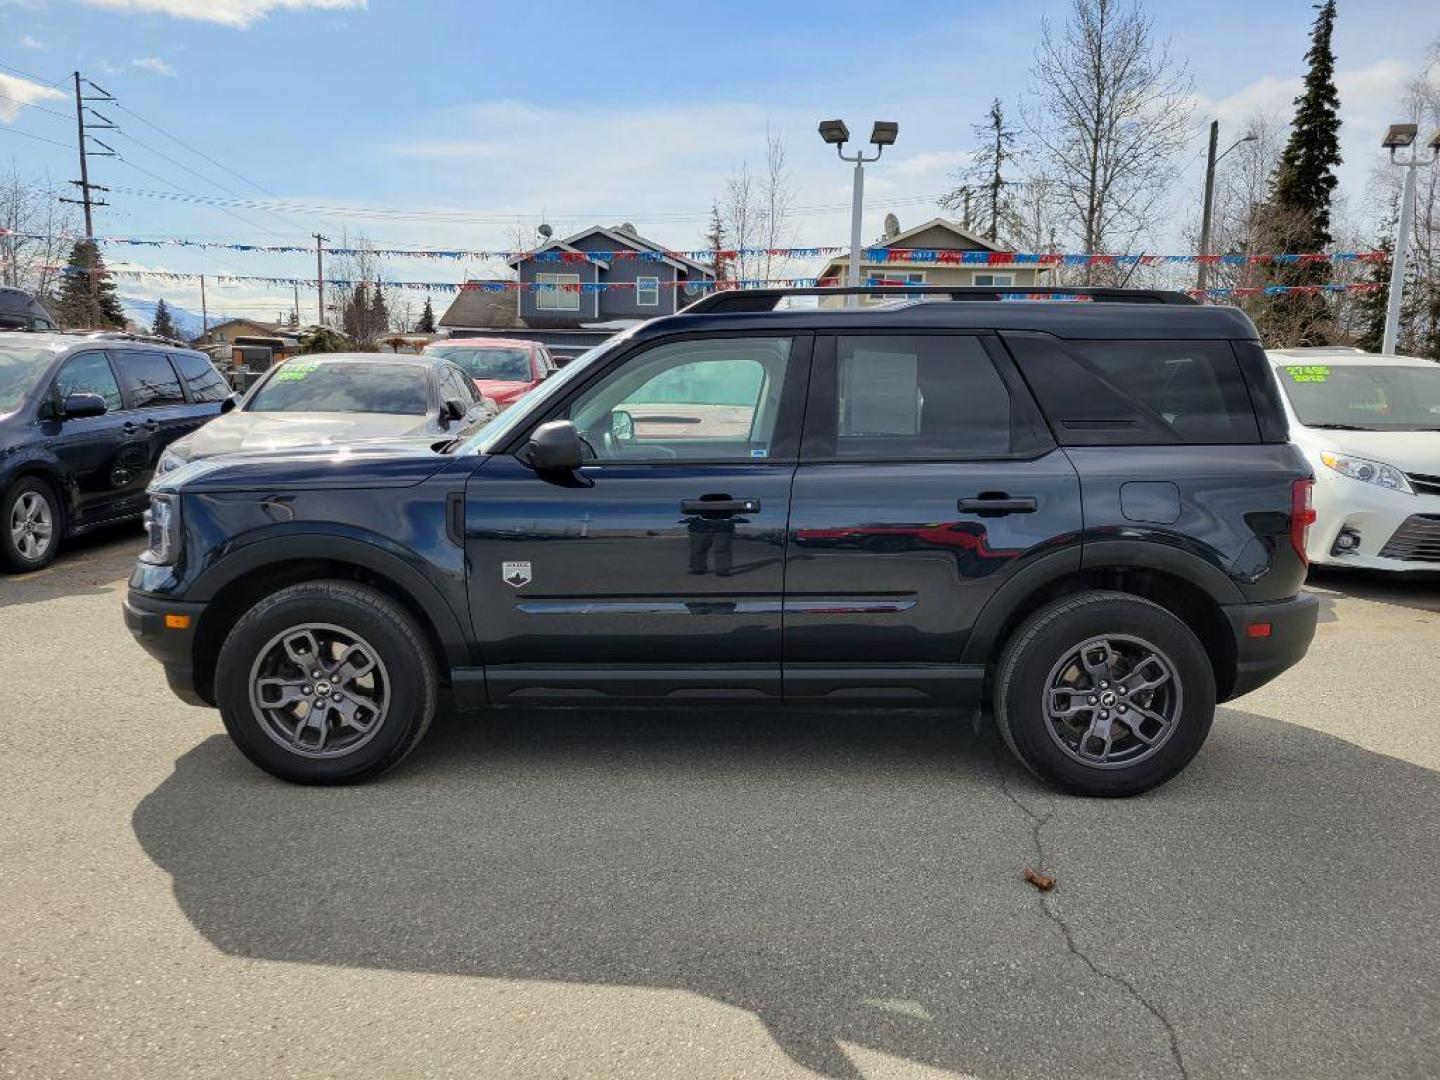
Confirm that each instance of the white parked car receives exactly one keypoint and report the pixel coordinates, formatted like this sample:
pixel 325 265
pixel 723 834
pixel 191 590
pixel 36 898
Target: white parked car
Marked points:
pixel 1370 427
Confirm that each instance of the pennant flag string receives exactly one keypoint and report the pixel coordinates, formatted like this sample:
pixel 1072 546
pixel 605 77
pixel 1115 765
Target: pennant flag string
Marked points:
pixel 874 254
pixel 688 286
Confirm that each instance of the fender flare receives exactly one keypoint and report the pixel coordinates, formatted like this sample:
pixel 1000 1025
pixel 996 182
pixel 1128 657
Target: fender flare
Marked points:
pixel 1096 555
pixel 371 553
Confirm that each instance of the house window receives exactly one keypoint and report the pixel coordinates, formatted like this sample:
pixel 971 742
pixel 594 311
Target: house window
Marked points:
pixel 892 277
pixel 558 298
pixel 647 292
pixel 994 279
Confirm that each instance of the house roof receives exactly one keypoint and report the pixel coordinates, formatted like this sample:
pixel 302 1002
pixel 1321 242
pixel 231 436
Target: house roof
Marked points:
pixel 560 245
pixel 479 308
pixel 967 240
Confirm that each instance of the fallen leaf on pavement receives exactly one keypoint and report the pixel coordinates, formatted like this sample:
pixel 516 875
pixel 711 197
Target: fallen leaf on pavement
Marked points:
pixel 1043 882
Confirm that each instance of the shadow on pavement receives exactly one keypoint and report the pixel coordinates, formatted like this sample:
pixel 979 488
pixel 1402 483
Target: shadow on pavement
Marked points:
pixel 857 878
pixel 1419 590
pixel 86 565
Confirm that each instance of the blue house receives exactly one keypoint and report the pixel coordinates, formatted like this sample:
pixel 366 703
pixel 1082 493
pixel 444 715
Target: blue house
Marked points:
pixel 566 316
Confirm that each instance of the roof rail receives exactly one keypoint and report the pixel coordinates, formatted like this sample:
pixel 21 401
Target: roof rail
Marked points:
pixel 752 300
pixel 125 335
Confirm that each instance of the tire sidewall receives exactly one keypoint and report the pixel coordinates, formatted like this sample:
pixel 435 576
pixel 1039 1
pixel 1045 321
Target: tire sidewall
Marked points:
pixel 9 554
pixel 1030 659
pixel 383 627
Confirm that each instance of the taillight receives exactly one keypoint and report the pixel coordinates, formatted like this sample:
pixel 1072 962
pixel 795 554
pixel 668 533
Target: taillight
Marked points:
pixel 1302 515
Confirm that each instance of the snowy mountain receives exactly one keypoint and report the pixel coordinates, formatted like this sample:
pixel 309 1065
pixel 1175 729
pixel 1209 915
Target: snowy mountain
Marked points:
pixel 143 312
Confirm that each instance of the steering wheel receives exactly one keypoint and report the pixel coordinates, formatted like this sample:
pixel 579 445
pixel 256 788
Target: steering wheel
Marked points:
pixel 615 450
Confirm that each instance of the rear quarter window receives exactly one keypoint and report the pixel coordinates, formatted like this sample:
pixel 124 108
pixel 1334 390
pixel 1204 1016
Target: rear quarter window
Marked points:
pixel 1138 392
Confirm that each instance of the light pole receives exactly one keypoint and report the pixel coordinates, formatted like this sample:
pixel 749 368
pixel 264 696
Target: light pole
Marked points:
pixel 1399 137
pixel 837 134
pixel 1203 278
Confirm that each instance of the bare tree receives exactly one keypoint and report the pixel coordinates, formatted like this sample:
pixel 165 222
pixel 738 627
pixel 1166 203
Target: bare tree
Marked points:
pixel 742 209
pixel 986 178
pixel 1108 111
pixel 777 194
pixel 35 231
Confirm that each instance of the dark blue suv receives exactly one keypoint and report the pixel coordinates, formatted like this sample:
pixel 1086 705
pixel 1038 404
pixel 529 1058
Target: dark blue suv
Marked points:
pixel 1085 514
pixel 84 419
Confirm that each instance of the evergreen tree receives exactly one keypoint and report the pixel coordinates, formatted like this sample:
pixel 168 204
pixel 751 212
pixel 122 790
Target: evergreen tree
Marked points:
pixel 426 325
pixel 379 321
pixel 1372 304
pixel 87 297
pixel 164 324
pixel 355 314
pixel 715 241
pixel 985 176
pixel 1300 198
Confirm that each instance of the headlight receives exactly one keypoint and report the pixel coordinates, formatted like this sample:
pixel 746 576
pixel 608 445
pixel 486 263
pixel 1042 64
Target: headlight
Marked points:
pixel 169 462
pixel 162 525
pixel 1370 472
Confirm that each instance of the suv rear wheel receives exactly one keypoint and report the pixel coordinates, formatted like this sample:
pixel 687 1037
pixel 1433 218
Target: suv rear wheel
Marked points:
pixel 326 682
pixel 1104 693
pixel 29 524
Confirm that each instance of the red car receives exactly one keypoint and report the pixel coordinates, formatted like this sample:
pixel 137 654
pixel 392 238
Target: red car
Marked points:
pixel 503 368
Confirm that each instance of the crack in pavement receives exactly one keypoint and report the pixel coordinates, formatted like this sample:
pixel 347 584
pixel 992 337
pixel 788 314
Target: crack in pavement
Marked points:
pixel 1037 823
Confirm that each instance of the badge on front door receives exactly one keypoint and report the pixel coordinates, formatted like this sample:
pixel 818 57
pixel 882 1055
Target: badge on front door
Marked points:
pixel 515 573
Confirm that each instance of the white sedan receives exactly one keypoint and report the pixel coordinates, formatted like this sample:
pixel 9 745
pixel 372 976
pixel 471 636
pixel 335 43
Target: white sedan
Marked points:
pixel 1370 427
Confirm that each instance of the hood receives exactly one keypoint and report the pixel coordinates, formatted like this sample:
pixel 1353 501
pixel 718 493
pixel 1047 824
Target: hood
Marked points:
pixel 371 464
pixel 1408 451
pixel 245 432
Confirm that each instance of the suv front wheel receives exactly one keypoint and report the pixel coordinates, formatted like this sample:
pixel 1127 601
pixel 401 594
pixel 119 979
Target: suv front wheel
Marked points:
pixel 1104 693
pixel 326 682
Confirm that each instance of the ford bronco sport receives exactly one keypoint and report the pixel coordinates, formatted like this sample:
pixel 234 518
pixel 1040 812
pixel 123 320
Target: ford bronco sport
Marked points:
pixel 1084 514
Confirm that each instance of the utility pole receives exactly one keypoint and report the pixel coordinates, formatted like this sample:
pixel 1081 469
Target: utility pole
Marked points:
pixel 296 309
pixel 319 277
pixel 204 312
pixel 84 184
pixel 1202 277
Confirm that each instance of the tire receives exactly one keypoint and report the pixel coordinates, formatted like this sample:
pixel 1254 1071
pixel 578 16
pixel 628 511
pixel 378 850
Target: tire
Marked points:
pixel 31 524
pixel 375 714
pixel 1052 722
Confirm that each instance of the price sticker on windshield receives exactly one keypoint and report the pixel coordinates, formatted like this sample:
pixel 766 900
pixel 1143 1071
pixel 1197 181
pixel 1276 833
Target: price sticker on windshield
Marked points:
pixel 1308 372
pixel 291 372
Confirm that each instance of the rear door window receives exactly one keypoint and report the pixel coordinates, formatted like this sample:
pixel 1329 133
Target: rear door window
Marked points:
pixel 895 397
pixel 149 378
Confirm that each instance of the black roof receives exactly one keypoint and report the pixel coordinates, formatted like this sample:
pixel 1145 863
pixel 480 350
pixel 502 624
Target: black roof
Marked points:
pixel 1092 319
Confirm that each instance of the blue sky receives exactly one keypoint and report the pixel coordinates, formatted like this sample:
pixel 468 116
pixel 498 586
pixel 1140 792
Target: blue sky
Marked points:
pixel 574 112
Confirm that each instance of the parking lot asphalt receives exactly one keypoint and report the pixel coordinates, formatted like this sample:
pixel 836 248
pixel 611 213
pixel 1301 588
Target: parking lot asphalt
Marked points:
pixel 713 894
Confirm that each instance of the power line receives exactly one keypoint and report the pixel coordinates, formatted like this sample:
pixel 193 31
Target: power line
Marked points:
pixel 33 78
pixel 32 105
pixel 37 138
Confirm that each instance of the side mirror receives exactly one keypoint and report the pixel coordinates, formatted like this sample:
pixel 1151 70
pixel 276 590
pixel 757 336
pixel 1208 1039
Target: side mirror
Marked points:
pixel 453 409
pixel 555 447
pixel 80 406
pixel 622 425
pixel 229 404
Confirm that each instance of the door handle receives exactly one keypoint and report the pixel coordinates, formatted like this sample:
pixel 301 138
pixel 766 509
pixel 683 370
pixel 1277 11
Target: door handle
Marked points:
pixel 998 504
pixel 720 505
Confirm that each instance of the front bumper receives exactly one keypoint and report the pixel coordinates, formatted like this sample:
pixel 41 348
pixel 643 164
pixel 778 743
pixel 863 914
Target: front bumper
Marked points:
pixel 1260 659
pixel 174 647
pixel 1376 513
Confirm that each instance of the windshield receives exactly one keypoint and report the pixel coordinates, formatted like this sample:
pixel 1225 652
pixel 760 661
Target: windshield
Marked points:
pixel 487 361
pixel 500 429
pixel 1371 398
pixel 19 370
pixel 362 386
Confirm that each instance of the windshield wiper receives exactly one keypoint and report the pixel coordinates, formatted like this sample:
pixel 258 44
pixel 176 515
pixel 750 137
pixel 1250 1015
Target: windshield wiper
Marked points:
pixel 1344 427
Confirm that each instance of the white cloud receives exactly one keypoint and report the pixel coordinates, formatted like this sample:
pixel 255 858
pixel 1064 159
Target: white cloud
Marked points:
pixel 154 65
pixel 236 13
pixel 20 92
pixel 28 42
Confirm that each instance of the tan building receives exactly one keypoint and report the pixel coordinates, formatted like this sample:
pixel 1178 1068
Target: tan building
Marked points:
pixel 935 234
pixel 223 333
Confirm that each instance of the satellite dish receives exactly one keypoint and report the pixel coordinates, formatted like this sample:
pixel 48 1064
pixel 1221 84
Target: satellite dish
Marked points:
pixel 629 228
pixel 545 231
pixel 892 226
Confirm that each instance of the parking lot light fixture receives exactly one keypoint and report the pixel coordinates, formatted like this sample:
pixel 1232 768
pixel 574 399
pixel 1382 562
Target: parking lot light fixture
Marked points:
pixel 1399 137
pixel 882 134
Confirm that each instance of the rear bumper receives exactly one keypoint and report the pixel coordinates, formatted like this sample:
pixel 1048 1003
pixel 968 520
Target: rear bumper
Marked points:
pixel 174 648
pixel 1260 659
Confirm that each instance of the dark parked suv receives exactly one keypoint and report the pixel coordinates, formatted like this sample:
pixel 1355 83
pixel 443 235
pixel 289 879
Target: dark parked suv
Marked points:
pixel 1083 513
pixel 83 420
